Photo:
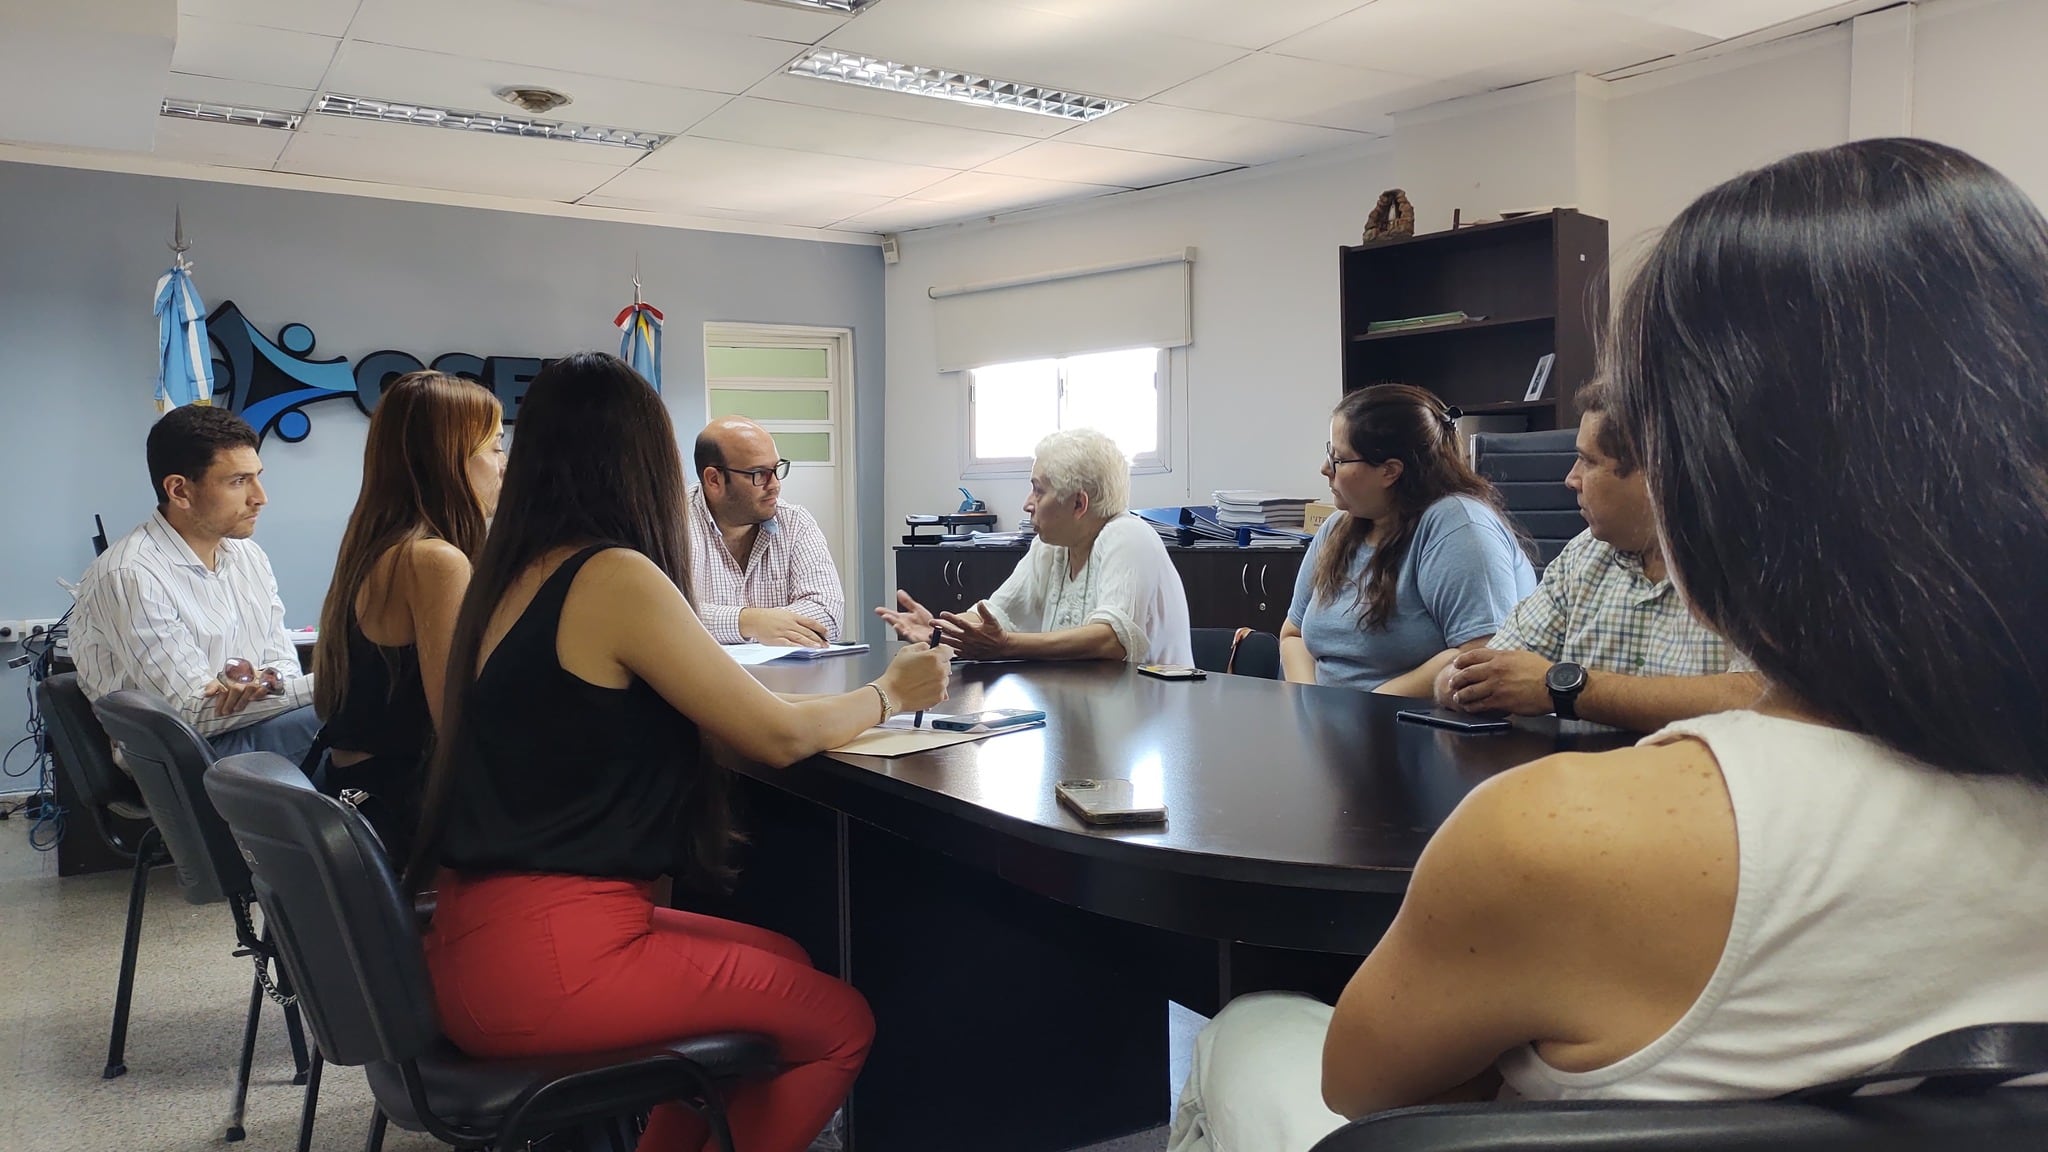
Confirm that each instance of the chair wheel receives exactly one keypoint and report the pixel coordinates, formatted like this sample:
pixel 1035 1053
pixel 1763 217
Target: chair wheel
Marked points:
pixel 235 1134
pixel 113 1071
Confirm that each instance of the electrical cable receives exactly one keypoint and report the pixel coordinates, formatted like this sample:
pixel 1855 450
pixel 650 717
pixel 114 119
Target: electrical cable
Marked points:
pixel 46 831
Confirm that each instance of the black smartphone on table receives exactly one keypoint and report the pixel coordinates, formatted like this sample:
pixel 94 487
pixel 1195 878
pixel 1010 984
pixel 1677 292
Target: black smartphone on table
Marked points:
pixel 1455 721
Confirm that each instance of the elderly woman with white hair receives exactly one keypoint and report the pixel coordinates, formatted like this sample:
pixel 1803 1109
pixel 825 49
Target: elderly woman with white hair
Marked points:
pixel 1096 585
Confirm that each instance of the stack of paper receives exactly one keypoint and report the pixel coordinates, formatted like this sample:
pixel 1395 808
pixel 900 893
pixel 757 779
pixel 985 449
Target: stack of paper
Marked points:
pixel 1246 507
pixel 750 654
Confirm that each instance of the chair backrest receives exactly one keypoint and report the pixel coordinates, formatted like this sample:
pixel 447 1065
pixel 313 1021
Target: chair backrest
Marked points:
pixel 335 911
pixel 2002 1120
pixel 1529 469
pixel 1220 650
pixel 84 753
pixel 169 761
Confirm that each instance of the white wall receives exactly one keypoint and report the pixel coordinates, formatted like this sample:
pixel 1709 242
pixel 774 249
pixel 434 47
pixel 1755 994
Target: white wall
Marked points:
pixel 1264 368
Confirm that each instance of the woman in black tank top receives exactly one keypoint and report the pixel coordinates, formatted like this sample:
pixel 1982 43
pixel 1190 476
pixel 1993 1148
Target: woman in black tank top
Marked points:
pixel 431 470
pixel 570 777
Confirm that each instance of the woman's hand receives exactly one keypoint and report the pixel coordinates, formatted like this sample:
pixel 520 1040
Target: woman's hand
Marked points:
pixel 917 677
pixel 911 620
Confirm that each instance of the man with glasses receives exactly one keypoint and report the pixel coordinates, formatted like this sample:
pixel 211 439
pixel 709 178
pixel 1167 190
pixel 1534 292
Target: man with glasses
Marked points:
pixel 762 570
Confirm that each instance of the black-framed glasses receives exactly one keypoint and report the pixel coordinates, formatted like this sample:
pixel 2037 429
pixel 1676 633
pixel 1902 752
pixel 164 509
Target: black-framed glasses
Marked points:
pixel 760 475
pixel 1330 451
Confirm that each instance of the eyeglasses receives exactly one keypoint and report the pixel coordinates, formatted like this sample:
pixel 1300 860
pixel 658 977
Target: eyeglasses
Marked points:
pixel 760 475
pixel 1330 451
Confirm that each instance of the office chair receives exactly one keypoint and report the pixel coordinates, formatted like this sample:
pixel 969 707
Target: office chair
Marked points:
pixel 1529 469
pixel 168 760
pixel 1956 1105
pixel 109 797
pixel 351 940
pixel 1237 651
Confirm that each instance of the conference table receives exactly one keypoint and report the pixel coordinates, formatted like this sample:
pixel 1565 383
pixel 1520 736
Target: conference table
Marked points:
pixel 1019 961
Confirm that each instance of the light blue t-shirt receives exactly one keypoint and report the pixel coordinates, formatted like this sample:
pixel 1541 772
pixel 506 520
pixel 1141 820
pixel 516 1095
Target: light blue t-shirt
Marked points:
pixel 1463 574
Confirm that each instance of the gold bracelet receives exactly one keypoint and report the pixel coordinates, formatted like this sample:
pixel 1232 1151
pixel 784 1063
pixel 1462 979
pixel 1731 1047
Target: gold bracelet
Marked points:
pixel 888 710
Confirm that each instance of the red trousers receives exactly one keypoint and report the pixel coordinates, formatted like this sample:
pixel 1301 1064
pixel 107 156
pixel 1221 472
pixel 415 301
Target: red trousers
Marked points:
pixel 530 965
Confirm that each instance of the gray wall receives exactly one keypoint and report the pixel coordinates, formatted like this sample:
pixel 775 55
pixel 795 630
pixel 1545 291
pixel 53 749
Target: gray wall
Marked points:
pixel 80 253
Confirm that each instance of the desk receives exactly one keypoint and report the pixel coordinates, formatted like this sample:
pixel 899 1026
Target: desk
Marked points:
pixel 1019 961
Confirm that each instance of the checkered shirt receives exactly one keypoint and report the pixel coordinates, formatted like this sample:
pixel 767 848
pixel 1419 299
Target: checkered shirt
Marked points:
pixel 790 567
pixel 1596 608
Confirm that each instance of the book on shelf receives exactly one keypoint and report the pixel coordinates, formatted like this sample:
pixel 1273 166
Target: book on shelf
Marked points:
pixel 1411 323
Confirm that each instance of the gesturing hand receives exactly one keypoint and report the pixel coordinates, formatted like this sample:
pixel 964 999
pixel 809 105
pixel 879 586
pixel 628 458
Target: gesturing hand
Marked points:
pixel 978 637
pixel 911 620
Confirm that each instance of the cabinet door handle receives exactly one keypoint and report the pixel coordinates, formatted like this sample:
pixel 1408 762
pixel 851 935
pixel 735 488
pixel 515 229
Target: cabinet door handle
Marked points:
pixel 1244 578
pixel 1262 581
pixel 946 573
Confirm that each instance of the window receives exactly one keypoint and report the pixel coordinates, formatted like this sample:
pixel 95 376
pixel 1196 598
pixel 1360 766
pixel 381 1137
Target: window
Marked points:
pixel 1014 406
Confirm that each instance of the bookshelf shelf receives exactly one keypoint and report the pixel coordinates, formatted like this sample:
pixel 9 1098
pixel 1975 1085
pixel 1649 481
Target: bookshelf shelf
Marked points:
pixel 1541 282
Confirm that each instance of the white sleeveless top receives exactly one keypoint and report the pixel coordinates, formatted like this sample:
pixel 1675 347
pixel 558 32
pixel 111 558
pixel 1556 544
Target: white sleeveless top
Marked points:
pixel 1880 902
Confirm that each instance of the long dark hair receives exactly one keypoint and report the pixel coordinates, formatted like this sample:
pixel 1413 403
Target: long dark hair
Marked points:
pixel 1836 371
pixel 415 485
pixel 1395 422
pixel 594 461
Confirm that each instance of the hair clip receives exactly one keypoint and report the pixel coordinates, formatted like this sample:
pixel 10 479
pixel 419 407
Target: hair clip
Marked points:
pixel 1452 412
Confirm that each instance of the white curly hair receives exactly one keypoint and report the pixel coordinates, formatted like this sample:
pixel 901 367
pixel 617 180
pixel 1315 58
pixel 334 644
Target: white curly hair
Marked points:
pixel 1084 460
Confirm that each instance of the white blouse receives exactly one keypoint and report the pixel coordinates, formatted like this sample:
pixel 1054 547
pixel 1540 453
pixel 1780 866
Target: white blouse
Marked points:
pixel 1128 583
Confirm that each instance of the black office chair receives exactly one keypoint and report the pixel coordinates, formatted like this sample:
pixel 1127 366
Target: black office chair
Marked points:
pixel 1238 651
pixel 110 798
pixel 1956 1106
pixel 1529 469
pixel 351 940
pixel 169 761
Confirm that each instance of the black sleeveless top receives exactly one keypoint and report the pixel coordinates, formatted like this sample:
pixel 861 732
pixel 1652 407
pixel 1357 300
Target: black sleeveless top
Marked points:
pixel 384 712
pixel 556 774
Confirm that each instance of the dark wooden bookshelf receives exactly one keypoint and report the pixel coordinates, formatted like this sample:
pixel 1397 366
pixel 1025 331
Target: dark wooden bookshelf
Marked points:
pixel 1538 281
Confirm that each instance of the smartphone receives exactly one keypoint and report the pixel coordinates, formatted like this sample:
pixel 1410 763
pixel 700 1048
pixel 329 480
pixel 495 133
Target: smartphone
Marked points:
pixel 1455 721
pixel 1108 802
pixel 1173 671
pixel 994 721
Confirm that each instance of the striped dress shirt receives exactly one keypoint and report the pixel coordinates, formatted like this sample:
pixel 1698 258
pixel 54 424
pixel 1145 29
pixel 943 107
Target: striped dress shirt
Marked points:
pixel 790 567
pixel 151 616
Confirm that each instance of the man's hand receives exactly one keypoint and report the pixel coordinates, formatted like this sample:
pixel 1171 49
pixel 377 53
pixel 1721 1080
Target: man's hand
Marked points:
pixel 782 627
pixel 976 637
pixel 1496 680
pixel 911 620
pixel 237 685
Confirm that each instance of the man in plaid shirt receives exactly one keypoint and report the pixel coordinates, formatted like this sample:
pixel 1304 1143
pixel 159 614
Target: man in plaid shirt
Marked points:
pixel 1606 636
pixel 762 570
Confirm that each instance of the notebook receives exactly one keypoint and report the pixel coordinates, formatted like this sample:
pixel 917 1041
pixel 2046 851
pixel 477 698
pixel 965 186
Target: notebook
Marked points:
pixel 751 654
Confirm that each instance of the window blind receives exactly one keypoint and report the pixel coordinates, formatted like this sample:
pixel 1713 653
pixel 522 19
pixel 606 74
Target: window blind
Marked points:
pixel 1142 303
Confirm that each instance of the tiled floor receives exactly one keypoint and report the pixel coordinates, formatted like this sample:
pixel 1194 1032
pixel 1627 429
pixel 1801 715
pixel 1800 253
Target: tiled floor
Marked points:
pixel 60 947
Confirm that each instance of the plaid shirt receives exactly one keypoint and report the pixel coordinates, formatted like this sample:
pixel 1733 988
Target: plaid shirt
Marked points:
pixel 790 567
pixel 1596 608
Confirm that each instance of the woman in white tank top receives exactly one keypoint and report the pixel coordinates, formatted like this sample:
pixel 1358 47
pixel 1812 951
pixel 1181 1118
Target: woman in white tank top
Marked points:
pixel 1835 371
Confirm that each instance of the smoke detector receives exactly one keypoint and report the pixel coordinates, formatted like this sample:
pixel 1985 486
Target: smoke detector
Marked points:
pixel 534 99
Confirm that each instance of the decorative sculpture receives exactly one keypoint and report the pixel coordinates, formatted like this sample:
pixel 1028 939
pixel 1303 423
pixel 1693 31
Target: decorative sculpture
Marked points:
pixel 1392 216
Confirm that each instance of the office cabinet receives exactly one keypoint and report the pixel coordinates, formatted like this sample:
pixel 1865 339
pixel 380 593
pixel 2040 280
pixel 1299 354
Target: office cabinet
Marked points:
pixel 947 579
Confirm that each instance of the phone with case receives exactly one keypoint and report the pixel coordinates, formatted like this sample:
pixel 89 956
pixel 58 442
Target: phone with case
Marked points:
pixel 1108 802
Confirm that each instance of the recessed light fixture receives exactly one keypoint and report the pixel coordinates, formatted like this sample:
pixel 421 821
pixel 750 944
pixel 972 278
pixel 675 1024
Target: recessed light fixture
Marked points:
pixel 178 109
pixel 840 7
pixel 492 123
pixel 942 84
pixel 533 99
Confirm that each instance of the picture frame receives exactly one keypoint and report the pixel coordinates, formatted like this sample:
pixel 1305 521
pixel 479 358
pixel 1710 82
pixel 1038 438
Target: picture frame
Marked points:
pixel 1541 379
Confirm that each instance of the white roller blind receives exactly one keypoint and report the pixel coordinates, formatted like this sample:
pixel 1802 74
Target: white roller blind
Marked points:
pixel 1136 304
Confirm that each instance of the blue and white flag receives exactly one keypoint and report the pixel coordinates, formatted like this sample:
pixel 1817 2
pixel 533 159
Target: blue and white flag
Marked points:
pixel 641 344
pixel 184 359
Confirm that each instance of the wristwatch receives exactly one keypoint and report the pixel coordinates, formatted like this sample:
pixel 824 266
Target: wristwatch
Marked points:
pixel 1565 681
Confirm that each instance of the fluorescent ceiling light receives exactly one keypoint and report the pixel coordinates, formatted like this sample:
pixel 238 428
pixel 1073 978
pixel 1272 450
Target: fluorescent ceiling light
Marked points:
pixel 848 68
pixel 229 114
pixel 493 123
pixel 841 7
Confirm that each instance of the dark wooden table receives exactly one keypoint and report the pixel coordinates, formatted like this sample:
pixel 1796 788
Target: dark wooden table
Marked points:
pixel 1018 960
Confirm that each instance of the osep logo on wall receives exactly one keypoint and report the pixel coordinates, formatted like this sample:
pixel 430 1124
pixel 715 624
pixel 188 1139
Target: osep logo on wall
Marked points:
pixel 269 384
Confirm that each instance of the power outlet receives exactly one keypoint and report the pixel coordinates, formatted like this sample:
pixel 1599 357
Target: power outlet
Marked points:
pixel 12 631
pixel 33 628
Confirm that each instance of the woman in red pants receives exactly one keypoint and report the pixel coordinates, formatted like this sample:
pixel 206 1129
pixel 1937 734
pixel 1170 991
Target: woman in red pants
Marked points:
pixel 571 776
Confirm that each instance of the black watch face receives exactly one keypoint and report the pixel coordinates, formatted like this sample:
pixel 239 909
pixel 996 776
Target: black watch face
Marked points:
pixel 1565 678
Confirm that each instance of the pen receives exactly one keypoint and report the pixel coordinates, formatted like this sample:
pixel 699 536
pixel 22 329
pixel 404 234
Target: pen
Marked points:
pixel 919 721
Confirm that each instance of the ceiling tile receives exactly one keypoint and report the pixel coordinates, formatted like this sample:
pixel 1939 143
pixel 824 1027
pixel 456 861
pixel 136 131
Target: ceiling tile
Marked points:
pixel 1242 23
pixel 989 192
pixel 638 191
pixel 773 21
pixel 320 17
pixel 240 93
pixel 411 156
pixel 1720 19
pixel 249 52
pixel 1209 135
pixel 1272 87
pixel 904 215
pixel 571 40
pixel 384 72
pixel 805 128
pixel 1087 164
pixel 729 174
pixel 1441 39
pixel 232 145
pixel 903 106
pixel 1030 46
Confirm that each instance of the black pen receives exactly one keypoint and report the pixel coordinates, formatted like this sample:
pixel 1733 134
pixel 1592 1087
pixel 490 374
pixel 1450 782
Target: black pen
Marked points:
pixel 919 722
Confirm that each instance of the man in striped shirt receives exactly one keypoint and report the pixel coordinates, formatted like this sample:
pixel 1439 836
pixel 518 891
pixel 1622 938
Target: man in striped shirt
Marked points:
pixel 186 606
pixel 762 570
